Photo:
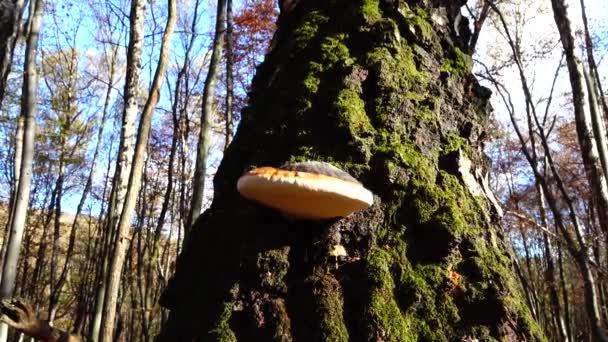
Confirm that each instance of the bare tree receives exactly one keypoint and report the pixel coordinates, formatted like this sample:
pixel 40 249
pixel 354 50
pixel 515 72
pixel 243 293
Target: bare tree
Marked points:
pixel 125 151
pixel 592 142
pixel 577 246
pixel 204 140
pixel 124 225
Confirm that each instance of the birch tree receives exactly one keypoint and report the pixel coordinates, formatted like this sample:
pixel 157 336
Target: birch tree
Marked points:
pixel 124 224
pixel 125 151
pixel 29 111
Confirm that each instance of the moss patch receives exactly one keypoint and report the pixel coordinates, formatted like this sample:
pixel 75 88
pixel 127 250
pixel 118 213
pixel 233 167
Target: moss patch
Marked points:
pixel 458 63
pixel 370 9
pixel 308 29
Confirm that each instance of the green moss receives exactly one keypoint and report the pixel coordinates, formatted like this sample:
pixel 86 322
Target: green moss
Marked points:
pixel 407 303
pixel 418 21
pixel 308 29
pixel 334 50
pixel 221 331
pixel 312 80
pixel 384 311
pixel 273 265
pixel 395 71
pixel 458 63
pixel 386 33
pixel 329 308
pixel 371 10
pixel 279 321
pixel 351 112
pixel 454 142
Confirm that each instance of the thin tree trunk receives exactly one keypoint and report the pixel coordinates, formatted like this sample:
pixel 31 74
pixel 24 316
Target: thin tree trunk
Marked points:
pixel 597 121
pixel 10 32
pixel 591 160
pixel 126 147
pixel 29 111
pixel 15 185
pixel 204 140
pixel 551 280
pixel 591 60
pixel 229 73
pixel 564 289
pixel 53 298
pixel 124 225
pixel 41 260
pixel 102 267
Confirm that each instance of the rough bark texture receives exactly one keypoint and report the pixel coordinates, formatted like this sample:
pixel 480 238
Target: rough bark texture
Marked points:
pixel 381 89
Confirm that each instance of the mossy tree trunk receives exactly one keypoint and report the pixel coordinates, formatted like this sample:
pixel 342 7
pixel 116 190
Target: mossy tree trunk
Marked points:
pixel 382 90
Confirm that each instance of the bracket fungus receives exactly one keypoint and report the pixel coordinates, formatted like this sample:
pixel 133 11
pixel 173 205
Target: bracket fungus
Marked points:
pixel 309 190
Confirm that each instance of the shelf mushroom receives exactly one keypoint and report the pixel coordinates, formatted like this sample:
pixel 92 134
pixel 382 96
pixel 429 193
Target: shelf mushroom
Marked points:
pixel 309 190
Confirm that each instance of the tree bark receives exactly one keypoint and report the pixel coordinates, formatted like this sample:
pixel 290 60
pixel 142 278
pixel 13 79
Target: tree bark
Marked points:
pixel 551 279
pixel 204 139
pixel 10 32
pixel 384 91
pixel 229 73
pixel 591 60
pixel 29 111
pixel 15 185
pixel 124 225
pixel 125 150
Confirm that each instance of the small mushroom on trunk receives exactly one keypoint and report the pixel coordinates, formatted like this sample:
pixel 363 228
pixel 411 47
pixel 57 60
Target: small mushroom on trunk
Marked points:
pixel 308 190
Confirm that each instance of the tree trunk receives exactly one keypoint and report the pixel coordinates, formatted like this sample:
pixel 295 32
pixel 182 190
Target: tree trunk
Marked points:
pixel 591 60
pixel 10 32
pixel 101 267
pixel 29 110
pixel 125 150
pixel 15 185
pixel 551 280
pixel 124 224
pixel 564 289
pixel 54 296
pixel 204 139
pixel 229 73
pixel 383 91
pixel 589 151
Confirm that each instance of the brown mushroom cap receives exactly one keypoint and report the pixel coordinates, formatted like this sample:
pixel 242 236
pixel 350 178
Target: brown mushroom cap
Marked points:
pixel 310 190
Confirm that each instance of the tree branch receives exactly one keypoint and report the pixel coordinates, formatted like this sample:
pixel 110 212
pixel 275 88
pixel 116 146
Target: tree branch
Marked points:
pixel 19 315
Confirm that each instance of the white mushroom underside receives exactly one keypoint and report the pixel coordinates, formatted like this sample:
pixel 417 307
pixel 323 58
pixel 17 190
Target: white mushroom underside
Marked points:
pixel 311 198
